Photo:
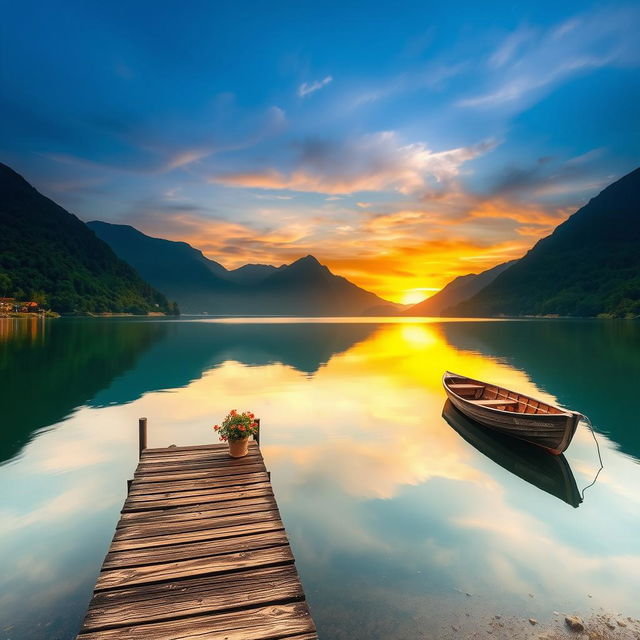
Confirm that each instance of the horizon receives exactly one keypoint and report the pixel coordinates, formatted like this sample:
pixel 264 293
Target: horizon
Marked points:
pixel 453 145
pixel 292 261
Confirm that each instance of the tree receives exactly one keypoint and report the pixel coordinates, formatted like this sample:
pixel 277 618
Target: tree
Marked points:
pixel 40 297
pixel 5 284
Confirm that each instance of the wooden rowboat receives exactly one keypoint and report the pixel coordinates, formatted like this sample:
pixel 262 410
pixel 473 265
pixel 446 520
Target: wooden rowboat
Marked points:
pixel 512 413
pixel 551 474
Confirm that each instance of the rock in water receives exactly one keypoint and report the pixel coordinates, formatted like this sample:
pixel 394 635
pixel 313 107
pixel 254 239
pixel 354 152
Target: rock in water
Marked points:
pixel 574 623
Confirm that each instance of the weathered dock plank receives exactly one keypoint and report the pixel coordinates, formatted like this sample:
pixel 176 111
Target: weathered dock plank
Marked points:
pixel 194 596
pixel 290 620
pixel 200 551
pixel 250 505
pixel 223 495
pixel 208 548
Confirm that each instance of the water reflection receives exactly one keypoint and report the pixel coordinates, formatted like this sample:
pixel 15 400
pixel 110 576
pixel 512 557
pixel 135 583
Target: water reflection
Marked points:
pixel 392 515
pixel 541 469
pixel 189 349
pixel 584 363
pixel 50 368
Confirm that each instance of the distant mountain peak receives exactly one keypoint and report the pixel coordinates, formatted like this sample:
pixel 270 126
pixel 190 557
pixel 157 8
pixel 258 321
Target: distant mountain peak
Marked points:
pixel 308 265
pixel 304 287
pixel 308 259
pixel 260 265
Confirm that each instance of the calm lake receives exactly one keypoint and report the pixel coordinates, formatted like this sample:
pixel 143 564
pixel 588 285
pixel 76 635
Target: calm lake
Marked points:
pixel 403 526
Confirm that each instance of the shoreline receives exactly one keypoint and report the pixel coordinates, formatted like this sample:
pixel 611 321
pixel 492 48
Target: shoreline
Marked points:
pixel 27 315
pixel 54 314
pixel 402 317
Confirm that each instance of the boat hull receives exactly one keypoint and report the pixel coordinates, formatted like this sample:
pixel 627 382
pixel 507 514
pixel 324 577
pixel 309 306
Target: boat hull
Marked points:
pixel 551 474
pixel 552 431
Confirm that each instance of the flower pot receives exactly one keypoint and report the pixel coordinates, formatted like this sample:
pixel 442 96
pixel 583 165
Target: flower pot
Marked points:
pixel 239 448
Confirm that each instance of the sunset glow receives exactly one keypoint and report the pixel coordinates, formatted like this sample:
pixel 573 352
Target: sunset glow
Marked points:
pixel 452 146
pixel 413 296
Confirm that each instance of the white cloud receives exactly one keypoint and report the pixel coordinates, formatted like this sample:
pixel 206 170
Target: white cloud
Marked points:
pixel 307 88
pixel 529 62
pixel 510 46
pixel 372 162
pixel 433 77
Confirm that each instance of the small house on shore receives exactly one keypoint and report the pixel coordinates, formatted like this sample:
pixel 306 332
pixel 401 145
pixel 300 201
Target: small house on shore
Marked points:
pixel 7 305
pixel 11 305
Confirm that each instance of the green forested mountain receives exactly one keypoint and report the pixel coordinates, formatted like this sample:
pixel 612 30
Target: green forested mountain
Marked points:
pixel 589 266
pixel 459 289
pixel 175 268
pixel 49 255
pixel 201 285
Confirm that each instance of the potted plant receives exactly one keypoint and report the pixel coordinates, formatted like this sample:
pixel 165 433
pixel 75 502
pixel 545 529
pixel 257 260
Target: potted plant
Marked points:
pixel 236 429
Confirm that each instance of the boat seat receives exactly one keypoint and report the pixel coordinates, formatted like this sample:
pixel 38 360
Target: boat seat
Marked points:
pixel 506 402
pixel 462 387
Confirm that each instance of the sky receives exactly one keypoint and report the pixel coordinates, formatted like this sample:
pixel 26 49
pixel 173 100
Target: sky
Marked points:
pixel 402 144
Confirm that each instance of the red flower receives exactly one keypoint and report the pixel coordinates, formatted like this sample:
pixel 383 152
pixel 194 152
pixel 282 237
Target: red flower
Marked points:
pixel 216 427
pixel 242 429
pixel 251 416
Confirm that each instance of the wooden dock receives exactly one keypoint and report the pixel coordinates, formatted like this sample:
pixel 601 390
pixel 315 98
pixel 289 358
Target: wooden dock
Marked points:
pixel 199 552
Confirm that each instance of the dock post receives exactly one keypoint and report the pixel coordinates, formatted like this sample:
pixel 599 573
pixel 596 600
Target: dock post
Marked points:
pixel 257 436
pixel 142 436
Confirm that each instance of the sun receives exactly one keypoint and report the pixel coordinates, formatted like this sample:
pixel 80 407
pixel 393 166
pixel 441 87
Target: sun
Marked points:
pixel 413 296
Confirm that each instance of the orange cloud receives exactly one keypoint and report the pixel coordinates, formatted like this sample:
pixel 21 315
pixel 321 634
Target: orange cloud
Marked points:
pixel 394 250
pixel 525 213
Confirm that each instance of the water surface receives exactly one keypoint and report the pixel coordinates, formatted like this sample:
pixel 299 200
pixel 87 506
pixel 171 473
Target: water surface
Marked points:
pixel 402 526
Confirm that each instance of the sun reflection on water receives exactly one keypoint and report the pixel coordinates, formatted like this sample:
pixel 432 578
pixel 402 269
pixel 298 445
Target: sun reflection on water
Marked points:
pixel 390 512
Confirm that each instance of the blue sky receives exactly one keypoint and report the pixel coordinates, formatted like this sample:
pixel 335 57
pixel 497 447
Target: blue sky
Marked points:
pixel 402 144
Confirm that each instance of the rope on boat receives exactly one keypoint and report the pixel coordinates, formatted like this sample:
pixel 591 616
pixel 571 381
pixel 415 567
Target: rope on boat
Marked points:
pixel 593 433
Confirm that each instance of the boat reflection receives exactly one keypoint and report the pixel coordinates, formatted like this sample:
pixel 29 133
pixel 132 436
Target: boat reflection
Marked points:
pixel 550 473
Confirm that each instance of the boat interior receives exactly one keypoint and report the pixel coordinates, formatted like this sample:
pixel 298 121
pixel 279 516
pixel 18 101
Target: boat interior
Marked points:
pixel 494 397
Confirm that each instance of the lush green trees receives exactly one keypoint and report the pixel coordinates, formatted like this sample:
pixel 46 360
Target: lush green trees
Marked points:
pixel 6 285
pixel 49 255
pixel 589 266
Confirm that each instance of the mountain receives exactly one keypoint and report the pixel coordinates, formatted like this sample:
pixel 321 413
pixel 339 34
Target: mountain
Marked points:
pixel 251 273
pixel 201 285
pixel 458 290
pixel 174 265
pixel 48 254
pixel 175 268
pixel 307 287
pixel 590 264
